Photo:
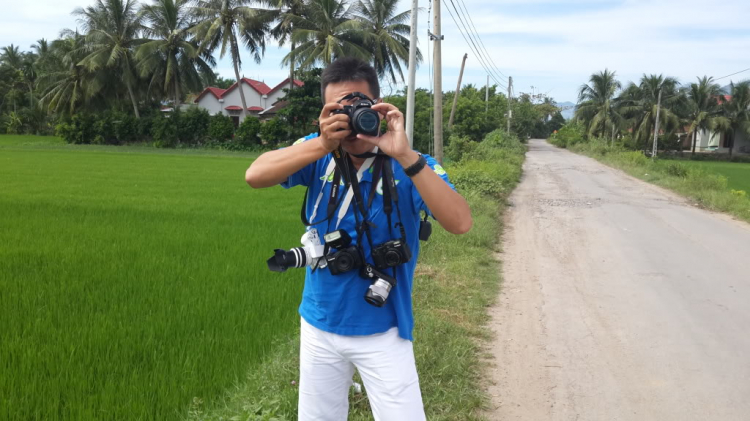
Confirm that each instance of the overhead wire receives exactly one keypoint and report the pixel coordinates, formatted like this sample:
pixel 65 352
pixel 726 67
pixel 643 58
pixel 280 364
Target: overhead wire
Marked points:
pixel 735 73
pixel 471 44
pixel 476 35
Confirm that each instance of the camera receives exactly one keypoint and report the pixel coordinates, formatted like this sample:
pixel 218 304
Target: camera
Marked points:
pixel 391 253
pixel 310 253
pixel 380 288
pixel 362 118
pixel 347 257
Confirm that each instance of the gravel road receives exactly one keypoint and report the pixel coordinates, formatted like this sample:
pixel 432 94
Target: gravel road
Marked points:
pixel 621 301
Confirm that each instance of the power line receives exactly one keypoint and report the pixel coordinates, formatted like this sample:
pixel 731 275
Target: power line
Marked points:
pixel 736 73
pixel 476 34
pixel 471 44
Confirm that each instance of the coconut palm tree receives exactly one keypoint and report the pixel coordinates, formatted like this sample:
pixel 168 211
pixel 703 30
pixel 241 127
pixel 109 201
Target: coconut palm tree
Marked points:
pixel 386 35
pixel 703 106
pixel 283 13
pixel 735 118
pixel 326 31
pixel 639 104
pixel 171 59
pixel 112 34
pixel 596 103
pixel 65 89
pixel 226 23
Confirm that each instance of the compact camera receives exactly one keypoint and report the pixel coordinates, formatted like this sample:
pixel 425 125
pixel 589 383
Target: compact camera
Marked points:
pixel 390 254
pixel 381 285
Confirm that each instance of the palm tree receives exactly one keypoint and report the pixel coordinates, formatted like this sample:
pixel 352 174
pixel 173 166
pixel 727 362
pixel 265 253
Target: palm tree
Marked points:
pixel 284 12
pixel 11 57
pixel 735 117
pixel 596 103
pixel 325 32
pixel 112 28
pixel 64 90
pixel 386 35
pixel 639 104
pixel 226 23
pixel 171 59
pixel 703 106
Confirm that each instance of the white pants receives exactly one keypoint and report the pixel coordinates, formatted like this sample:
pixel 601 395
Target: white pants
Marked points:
pixel 385 362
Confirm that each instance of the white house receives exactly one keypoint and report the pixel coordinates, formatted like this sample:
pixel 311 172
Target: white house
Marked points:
pixel 258 97
pixel 711 141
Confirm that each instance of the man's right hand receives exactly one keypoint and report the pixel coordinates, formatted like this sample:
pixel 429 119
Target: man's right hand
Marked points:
pixel 333 127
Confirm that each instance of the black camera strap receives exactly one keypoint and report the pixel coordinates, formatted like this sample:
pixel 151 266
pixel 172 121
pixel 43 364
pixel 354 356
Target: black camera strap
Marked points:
pixel 332 203
pixel 349 174
pixel 390 197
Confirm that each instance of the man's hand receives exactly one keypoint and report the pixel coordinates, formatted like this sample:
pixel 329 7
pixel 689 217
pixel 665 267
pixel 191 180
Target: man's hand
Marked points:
pixel 331 126
pixel 394 143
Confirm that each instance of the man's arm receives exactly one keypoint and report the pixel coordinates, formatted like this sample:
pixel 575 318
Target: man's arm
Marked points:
pixel 274 167
pixel 447 206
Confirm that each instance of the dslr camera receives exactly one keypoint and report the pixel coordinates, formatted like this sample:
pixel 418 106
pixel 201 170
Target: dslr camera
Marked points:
pixel 362 118
pixel 390 254
pixel 311 252
pixel 347 257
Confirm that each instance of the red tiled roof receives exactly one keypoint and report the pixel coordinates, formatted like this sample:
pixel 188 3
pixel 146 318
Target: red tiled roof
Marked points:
pixel 724 98
pixel 254 108
pixel 284 83
pixel 233 108
pixel 261 87
pixel 217 92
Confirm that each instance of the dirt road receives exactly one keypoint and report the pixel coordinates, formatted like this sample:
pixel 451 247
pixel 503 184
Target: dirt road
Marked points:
pixel 621 301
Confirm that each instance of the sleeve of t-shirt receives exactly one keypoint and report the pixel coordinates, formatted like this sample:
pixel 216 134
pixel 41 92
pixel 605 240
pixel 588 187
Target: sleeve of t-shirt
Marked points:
pixel 305 175
pixel 439 170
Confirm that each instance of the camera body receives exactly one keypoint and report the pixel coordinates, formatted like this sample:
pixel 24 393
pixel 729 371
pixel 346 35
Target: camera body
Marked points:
pixel 362 118
pixel 347 257
pixel 390 254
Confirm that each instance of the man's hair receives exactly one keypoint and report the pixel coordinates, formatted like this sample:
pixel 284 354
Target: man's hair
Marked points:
pixel 348 69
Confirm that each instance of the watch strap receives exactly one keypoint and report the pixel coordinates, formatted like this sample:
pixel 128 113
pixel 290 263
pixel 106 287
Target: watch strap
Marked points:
pixel 415 168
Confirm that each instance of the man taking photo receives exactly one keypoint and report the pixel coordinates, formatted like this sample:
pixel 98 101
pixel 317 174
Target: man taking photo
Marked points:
pixel 365 195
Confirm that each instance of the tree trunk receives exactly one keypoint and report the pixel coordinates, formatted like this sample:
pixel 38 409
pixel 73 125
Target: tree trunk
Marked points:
pixel 731 145
pixel 176 95
pixel 291 68
pixel 695 140
pixel 235 62
pixel 132 98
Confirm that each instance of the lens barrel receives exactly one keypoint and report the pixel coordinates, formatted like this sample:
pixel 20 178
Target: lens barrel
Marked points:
pixel 283 260
pixel 378 292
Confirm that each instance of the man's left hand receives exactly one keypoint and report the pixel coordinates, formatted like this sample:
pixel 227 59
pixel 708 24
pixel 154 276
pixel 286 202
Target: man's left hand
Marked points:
pixel 394 142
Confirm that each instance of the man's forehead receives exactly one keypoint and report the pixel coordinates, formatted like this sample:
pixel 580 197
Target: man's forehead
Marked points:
pixel 336 91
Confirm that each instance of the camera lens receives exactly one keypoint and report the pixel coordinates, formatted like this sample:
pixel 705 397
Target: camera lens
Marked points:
pixel 392 258
pixel 378 292
pixel 344 262
pixel 283 260
pixel 367 121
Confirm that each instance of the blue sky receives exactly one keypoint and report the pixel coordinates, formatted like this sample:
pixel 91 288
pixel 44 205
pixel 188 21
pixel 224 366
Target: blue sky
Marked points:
pixel 549 44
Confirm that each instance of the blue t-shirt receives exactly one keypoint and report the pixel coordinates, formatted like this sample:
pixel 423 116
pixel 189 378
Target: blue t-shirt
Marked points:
pixel 336 304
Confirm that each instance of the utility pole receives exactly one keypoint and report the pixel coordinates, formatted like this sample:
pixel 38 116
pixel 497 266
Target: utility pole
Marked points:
pixel 412 73
pixel 510 112
pixel 487 96
pixel 656 126
pixel 438 89
pixel 458 90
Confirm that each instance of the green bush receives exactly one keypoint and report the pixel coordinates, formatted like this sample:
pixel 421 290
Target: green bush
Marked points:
pixel 458 146
pixel 77 129
pixel 274 131
pixel 676 169
pixel 192 125
pixel 569 134
pixel 247 134
pixel 164 131
pixel 221 128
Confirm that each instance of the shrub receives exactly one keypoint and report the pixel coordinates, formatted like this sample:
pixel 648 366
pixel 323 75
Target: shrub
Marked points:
pixel 676 169
pixel 739 193
pixel 220 128
pixel 458 146
pixel 569 134
pixel 192 125
pixel 164 131
pixel 247 134
pixel 274 131
pixel 77 129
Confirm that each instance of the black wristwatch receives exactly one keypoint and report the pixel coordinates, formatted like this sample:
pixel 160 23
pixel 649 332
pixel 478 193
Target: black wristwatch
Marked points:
pixel 416 167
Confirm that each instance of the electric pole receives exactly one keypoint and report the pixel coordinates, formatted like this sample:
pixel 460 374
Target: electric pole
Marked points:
pixel 510 113
pixel 656 126
pixel 458 90
pixel 487 95
pixel 412 73
pixel 438 94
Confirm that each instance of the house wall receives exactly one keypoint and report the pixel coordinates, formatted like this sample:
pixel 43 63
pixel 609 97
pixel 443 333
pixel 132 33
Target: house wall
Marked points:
pixel 714 141
pixel 211 104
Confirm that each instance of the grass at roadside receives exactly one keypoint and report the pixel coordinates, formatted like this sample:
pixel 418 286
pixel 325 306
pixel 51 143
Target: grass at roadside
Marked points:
pixel 456 280
pixel 697 181
pixel 737 173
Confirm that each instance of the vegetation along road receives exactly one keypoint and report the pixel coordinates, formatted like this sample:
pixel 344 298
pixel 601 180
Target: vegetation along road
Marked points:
pixel 622 301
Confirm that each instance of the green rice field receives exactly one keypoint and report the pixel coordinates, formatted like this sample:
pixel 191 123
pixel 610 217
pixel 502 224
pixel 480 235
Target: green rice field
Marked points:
pixel 737 174
pixel 133 280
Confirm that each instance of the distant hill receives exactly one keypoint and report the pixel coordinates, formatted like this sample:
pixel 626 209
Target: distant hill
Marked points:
pixel 568 114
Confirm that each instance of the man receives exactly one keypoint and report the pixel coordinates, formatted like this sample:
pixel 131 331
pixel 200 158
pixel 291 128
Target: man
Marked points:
pixel 340 330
